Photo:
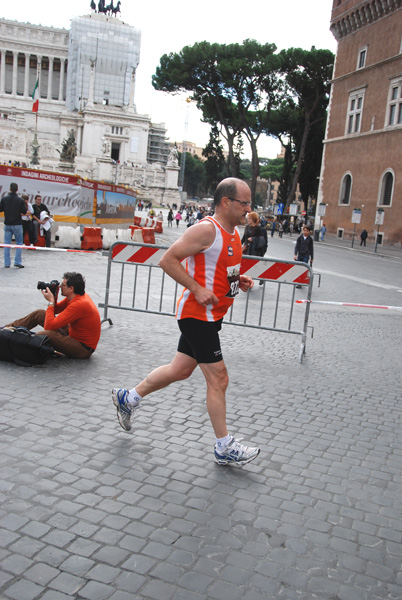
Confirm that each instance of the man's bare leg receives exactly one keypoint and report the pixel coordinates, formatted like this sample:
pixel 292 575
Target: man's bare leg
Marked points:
pixel 181 367
pixel 217 380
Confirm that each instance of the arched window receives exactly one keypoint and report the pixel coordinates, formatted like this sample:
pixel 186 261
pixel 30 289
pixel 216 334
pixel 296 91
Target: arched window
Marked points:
pixel 346 189
pixel 387 189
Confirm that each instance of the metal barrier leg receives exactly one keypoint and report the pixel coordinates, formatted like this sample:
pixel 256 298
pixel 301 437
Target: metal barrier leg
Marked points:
pixel 302 349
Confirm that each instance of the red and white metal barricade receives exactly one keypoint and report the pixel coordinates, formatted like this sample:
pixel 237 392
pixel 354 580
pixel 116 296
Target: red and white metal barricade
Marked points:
pixel 141 285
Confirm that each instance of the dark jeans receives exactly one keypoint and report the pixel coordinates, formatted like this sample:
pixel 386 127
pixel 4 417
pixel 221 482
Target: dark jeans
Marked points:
pixel 46 234
pixel 27 226
pixel 60 341
pixel 303 259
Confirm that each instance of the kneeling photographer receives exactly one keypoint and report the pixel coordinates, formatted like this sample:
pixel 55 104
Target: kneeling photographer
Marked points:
pixel 73 325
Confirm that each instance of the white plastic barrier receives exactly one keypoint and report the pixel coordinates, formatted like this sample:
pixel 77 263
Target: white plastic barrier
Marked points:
pixel 147 222
pixel 108 237
pixel 124 235
pixel 137 235
pixel 75 238
pixel 63 237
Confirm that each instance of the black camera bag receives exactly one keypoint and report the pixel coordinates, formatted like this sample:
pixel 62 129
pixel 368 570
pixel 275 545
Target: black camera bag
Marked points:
pixel 24 347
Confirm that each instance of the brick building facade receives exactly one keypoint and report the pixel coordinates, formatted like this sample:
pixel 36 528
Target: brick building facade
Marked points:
pixel 362 161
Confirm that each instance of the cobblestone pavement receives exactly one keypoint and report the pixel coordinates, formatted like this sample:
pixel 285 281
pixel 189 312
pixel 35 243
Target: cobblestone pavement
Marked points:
pixel 90 512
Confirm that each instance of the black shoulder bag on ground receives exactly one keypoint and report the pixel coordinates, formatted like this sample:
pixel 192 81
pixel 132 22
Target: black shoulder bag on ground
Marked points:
pixel 25 348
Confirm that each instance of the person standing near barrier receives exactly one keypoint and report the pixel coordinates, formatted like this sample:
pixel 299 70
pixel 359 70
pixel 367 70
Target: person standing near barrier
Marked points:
pixel 27 225
pixel 254 240
pixel 363 237
pixel 211 280
pixel 38 209
pixel 13 207
pixel 304 249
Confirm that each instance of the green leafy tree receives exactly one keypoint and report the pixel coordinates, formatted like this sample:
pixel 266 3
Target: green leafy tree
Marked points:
pixel 287 175
pixel 235 85
pixel 197 69
pixel 272 168
pixel 194 175
pixel 307 74
pixel 215 163
pixel 246 169
pixel 238 152
pixel 310 173
pixel 284 124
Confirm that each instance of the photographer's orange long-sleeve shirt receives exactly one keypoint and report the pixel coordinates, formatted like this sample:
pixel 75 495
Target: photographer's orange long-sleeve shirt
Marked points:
pixel 80 315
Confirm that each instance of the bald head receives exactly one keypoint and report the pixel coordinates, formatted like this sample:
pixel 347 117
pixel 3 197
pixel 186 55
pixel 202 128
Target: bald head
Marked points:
pixel 228 188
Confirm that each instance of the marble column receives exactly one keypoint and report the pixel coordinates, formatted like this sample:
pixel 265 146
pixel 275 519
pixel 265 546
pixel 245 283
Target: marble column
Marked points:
pixel 2 71
pixel 50 78
pixel 15 67
pixel 79 139
pixel 26 75
pixel 61 85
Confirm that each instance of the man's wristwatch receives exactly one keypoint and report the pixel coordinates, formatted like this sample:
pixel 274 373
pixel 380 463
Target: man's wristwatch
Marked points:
pixel 50 304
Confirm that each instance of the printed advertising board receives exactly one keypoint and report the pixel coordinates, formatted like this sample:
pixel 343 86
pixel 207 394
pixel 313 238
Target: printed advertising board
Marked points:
pixel 70 198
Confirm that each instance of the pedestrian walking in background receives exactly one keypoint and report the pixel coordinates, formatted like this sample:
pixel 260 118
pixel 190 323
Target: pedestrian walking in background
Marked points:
pixel 170 218
pixel 363 237
pixel 13 207
pixel 211 280
pixel 323 231
pixel 177 218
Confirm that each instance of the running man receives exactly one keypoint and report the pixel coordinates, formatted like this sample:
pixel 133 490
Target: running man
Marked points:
pixel 211 280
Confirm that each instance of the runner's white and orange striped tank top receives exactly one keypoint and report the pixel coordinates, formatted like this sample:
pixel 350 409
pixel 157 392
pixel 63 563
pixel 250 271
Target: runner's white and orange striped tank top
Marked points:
pixel 218 269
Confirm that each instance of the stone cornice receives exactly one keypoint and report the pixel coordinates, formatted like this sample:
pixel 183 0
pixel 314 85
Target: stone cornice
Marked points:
pixel 364 134
pixel 33 39
pixel 365 13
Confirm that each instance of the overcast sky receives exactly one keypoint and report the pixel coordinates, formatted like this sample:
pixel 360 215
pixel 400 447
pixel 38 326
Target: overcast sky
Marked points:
pixel 167 26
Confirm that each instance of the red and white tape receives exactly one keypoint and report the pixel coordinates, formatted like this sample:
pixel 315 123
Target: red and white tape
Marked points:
pixel 46 249
pixel 349 304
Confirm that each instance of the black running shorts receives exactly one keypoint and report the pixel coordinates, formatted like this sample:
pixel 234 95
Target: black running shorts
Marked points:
pixel 200 340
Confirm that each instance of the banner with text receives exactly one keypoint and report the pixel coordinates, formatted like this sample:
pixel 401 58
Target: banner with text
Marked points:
pixel 68 196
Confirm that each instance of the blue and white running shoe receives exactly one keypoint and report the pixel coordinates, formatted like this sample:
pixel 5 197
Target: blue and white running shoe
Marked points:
pixel 236 453
pixel 124 408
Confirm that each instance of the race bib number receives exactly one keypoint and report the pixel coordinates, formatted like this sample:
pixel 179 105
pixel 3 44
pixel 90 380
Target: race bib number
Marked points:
pixel 234 281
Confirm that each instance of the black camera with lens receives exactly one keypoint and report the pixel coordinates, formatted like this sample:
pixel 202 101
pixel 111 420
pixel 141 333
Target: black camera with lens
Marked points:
pixel 52 285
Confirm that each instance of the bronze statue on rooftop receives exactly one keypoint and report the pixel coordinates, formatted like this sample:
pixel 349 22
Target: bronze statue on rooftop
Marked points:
pixel 68 148
pixel 110 9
